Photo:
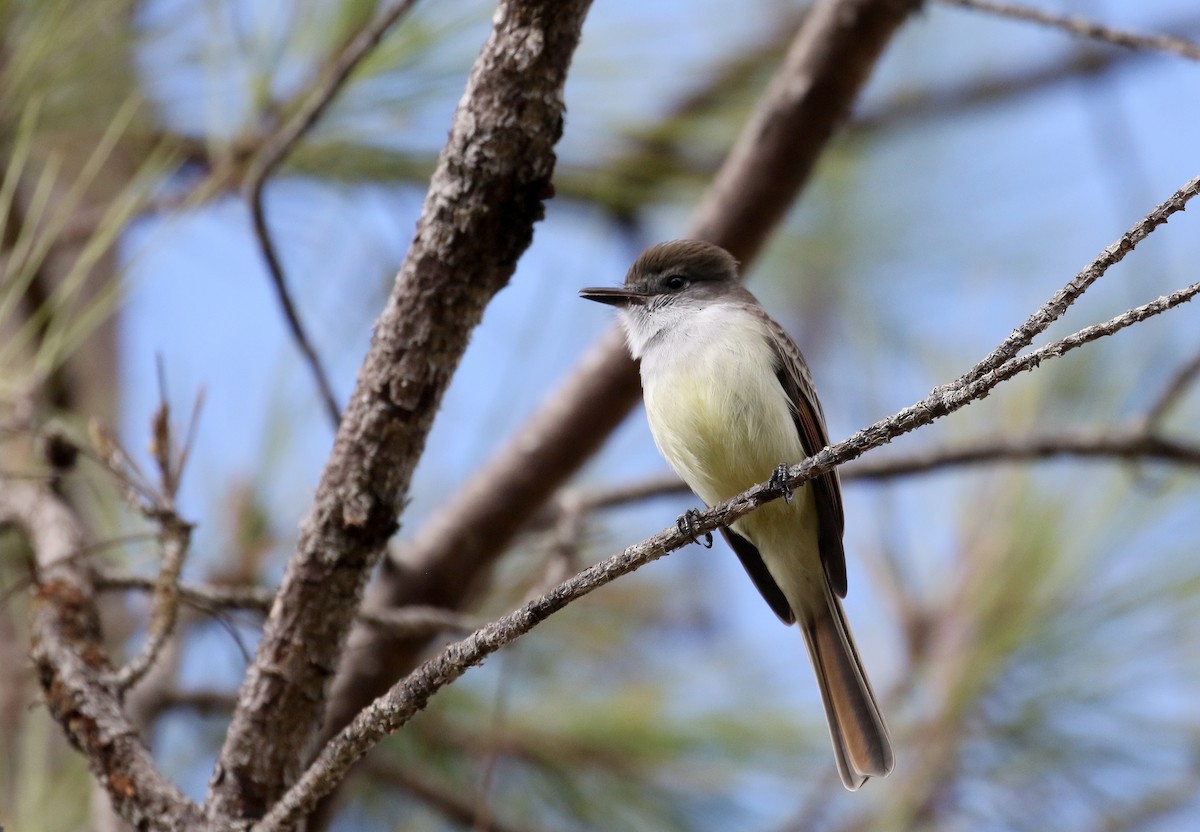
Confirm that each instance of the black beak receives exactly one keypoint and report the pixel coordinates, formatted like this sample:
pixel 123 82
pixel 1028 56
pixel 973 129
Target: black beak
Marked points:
pixel 614 296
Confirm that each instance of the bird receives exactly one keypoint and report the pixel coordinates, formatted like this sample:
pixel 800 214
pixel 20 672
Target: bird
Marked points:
pixel 730 402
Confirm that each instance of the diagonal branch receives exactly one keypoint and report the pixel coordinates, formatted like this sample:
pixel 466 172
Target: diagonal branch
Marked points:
pixel 276 150
pixel 1057 306
pixel 478 218
pixel 393 710
pixel 1176 389
pixel 68 650
pixel 829 61
pixel 1086 28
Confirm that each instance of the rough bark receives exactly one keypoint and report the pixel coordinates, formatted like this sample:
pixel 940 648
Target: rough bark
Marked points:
pixel 69 654
pixel 810 97
pixel 478 218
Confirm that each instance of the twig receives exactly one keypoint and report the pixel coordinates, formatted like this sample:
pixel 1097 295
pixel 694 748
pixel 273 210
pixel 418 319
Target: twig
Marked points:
pixel 564 551
pixel 418 622
pixel 909 108
pixel 593 499
pixel 334 77
pixel 175 535
pixel 1122 444
pixel 1152 808
pixel 276 149
pixel 1086 28
pixel 204 596
pixel 202 702
pixel 157 506
pixel 404 621
pixel 23 583
pixel 391 711
pixel 1184 377
pixel 1092 333
pixel 451 803
pixel 1132 443
pixel 1054 309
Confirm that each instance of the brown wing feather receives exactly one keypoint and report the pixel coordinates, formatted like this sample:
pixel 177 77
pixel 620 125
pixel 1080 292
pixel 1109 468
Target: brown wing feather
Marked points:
pixel 748 554
pixel 796 380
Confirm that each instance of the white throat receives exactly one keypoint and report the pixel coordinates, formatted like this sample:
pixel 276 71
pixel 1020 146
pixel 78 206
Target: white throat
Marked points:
pixel 675 330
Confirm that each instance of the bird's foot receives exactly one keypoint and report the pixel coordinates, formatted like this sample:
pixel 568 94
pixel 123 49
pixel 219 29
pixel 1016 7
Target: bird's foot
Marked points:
pixel 687 523
pixel 779 481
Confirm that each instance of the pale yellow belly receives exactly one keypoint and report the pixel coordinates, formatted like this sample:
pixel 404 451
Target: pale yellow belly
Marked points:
pixel 724 427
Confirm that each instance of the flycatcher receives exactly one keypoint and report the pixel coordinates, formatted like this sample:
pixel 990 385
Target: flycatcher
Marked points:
pixel 729 400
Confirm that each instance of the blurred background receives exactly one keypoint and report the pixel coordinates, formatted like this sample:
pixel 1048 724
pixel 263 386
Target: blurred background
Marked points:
pixel 1030 626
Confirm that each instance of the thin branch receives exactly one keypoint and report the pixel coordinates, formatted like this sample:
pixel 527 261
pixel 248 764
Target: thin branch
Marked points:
pixel 319 99
pixel 1086 28
pixel 1131 444
pixel 1134 443
pixel 830 58
pixel 201 702
pixel 68 650
pixel 1176 388
pixel 174 533
pixel 910 107
pixel 204 596
pixel 1107 445
pixel 1093 333
pixel 401 622
pixel 1057 306
pixel 276 149
pixel 391 711
pixel 419 622
pixel 456 806
pixel 478 218
pixel 1152 808
pixel 175 536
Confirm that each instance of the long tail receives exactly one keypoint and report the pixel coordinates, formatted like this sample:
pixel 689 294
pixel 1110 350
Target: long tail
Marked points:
pixel 860 738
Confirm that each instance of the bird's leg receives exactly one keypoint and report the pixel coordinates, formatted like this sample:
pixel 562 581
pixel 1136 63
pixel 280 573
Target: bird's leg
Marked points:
pixel 779 481
pixel 687 523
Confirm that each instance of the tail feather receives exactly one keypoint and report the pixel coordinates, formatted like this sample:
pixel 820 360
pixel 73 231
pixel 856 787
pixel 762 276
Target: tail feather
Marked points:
pixel 861 741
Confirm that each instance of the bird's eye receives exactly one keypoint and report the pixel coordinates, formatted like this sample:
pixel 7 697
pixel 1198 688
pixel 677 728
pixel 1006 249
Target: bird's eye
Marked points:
pixel 676 282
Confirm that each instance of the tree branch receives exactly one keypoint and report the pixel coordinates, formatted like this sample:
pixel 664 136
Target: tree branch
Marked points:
pixel 68 651
pixel 403 622
pixel 204 596
pixel 157 505
pixel 477 220
pixel 1057 306
pixel 276 149
pixel 1085 28
pixel 1134 444
pixel 391 711
pixel 811 95
pixel 461 809
pixel 175 536
pixel 1183 379
pixel 1084 63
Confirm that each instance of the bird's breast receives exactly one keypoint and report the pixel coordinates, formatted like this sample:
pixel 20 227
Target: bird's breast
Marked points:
pixel 717 410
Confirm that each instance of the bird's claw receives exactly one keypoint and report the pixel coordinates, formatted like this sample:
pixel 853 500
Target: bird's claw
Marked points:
pixel 779 481
pixel 687 523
